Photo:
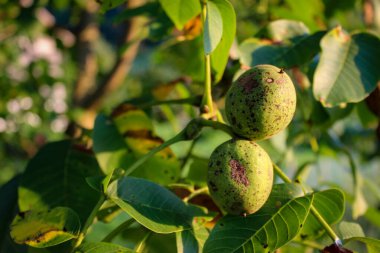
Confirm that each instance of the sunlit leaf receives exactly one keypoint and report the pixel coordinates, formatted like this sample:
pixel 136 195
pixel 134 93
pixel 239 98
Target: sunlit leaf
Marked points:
pixel 213 28
pixel 219 56
pixel 330 205
pixel 277 223
pixel 152 205
pixel 347 70
pixel 101 247
pixel 181 11
pixel 56 176
pixel 45 228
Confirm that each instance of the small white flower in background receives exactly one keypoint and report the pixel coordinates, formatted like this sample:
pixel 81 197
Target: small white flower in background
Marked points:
pixel 44 90
pixel 32 119
pixel 13 106
pixel 59 124
pixel 26 103
pixel 3 125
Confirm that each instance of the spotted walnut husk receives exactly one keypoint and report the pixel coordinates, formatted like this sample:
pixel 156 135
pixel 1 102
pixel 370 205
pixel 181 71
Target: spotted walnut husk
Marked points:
pixel 261 102
pixel 240 176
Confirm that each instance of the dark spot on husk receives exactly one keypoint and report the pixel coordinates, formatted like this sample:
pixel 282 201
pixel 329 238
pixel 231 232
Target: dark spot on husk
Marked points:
pixel 213 186
pixel 238 173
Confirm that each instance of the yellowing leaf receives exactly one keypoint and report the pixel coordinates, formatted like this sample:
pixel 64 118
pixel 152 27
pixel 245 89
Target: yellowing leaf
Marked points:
pixel 42 229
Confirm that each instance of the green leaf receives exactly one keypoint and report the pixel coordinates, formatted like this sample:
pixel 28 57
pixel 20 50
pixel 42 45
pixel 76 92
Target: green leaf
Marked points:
pixel 8 197
pixel 151 205
pixel 109 146
pixel 373 245
pixel 277 223
pixel 181 11
pixel 283 29
pixel 298 51
pixel 330 204
pixel 347 71
pixel 186 242
pixel 8 208
pixel 192 240
pixel 148 9
pixel 219 57
pixel 213 28
pixel 137 129
pixel 109 4
pixel 349 229
pixel 42 229
pixel 197 171
pixel 101 247
pixel 56 176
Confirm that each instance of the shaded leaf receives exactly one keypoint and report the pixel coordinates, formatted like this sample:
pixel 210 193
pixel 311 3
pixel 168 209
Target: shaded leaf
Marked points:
pixel 8 208
pixel 151 205
pixel 373 245
pixel 109 146
pixel 136 128
pixel 106 5
pixel 56 177
pixel 101 247
pixel 277 223
pixel 219 56
pixel 283 29
pixel 197 171
pixel 213 28
pixel 186 242
pixel 42 229
pixel 192 240
pixel 330 204
pixel 149 9
pixel 181 11
pixel 347 70
pixel 296 52
pixel 8 197
pixel 349 229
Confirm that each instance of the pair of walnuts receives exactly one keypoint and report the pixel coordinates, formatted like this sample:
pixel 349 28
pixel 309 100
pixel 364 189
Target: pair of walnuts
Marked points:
pixel 259 104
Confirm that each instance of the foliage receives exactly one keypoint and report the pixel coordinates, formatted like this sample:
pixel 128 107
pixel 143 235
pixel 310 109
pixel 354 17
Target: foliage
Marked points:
pixel 138 87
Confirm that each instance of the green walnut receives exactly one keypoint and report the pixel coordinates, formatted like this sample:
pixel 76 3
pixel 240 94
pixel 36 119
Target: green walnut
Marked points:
pixel 240 176
pixel 261 102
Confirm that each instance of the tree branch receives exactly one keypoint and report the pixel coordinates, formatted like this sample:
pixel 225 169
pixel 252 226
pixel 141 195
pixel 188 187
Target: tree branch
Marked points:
pixel 87 33
pixel 113 80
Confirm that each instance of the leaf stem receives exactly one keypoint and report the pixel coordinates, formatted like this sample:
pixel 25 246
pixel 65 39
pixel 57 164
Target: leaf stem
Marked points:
pixel 281 174
pixel 207 108
pixel 118 229
pixel 325 225
pixel 310 244
pixel 190 132
pixel 89 222
pixel 218 125
pixel 179 137
pixel 313 210
pixel 196 193
pixel 139 247
pixel 191 100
